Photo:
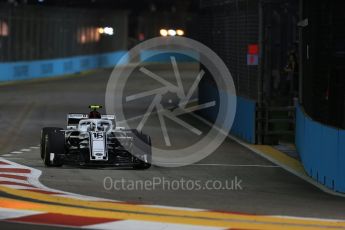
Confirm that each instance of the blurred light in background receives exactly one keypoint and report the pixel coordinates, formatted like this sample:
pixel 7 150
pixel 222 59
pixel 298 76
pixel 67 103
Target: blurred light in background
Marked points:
pixel 100 30
pixel 3 29
pixel 141 37
pixel 171 32
pixel 163 32
pixel 88 35
pixel 106 30
pixel 180 32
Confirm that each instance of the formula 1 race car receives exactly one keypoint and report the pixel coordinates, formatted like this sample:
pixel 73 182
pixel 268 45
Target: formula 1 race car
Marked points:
pixel 93 139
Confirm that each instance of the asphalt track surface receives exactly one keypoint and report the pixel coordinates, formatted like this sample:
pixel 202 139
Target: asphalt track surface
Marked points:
pixel 266 188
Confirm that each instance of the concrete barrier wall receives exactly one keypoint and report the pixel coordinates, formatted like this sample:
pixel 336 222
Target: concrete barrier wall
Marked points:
pixel 23 70
pixel 244 122
pixel 322 151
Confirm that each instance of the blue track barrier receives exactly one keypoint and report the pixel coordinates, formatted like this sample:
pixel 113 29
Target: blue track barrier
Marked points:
pixel 244 122
pixel 164 56
pixel 322 151
pixel 23 70
pixel 340 185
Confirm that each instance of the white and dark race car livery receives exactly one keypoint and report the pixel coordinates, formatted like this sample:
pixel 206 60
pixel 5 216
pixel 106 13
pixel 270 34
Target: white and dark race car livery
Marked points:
pixel 95 140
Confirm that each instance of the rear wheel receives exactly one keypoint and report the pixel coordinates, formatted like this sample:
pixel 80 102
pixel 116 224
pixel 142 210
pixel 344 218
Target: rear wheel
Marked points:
pixel 54 147
pixel 142 150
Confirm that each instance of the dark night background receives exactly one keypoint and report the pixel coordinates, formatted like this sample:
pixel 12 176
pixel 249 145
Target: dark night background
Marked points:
pixel 226 26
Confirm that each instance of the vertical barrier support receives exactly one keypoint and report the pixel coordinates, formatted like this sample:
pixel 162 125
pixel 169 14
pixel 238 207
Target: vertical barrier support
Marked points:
pixel 328 157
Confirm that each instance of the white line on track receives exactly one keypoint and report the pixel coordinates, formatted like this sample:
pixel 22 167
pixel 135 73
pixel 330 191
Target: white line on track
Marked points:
pixel 231 165
pixel 15 152
pixel 274 161
pixel 25 150
pixel 12 157
pixel 34 147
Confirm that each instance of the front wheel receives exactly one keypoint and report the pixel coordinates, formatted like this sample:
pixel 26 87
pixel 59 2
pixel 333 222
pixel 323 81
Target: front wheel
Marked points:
pixel 54 148
pixel 44 132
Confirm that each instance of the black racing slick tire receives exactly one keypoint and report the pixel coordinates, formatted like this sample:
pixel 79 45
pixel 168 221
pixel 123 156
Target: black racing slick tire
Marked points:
pixel 44 132
pixel 142 150
pixel 54 142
